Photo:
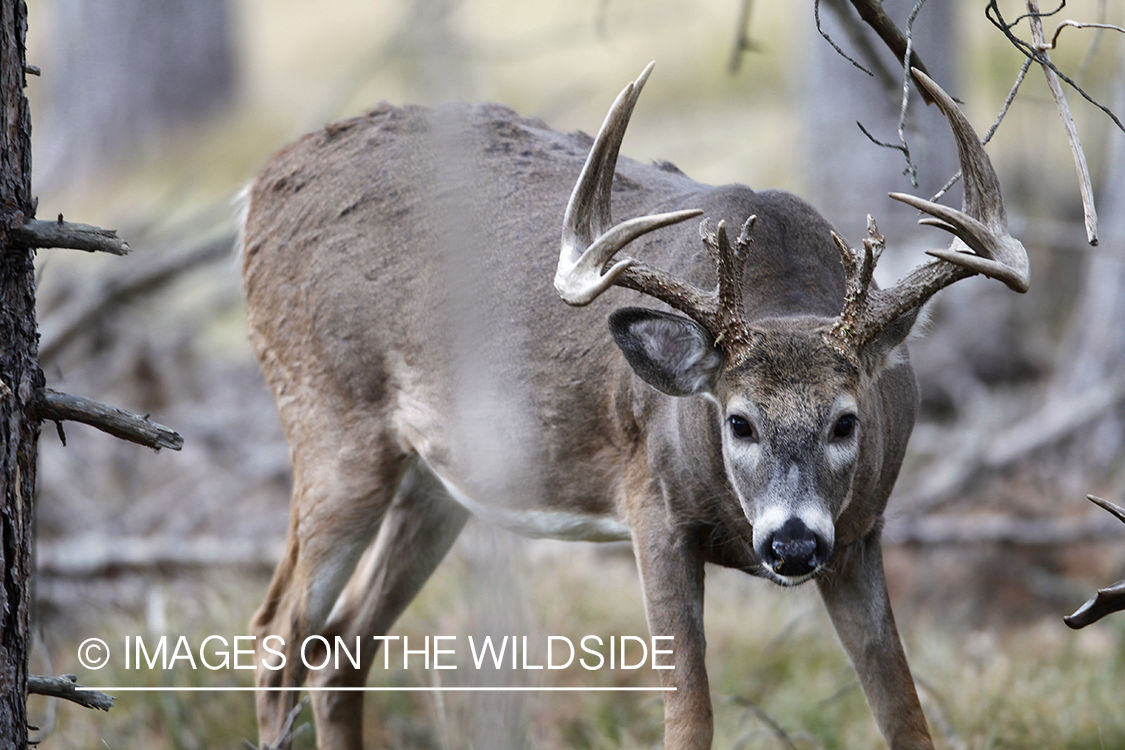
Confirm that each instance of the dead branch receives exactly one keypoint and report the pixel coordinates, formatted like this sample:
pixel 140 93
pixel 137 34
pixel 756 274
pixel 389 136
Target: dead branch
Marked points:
pixel 992 130
pixel 1076 25
pixel 996 18
pixel 839 51
pixel 95 554
pixel 1085 187
pixel 67 688
pixel 287 731
pixel 37 233
pixel 872 13
pixel 1056 421
pixel 55 406
pixel 993 528
pixel 1107 600
pixel 60 328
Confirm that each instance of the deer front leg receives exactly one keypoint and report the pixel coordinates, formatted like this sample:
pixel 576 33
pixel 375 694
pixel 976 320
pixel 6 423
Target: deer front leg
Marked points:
pixel 671 567
pixel 855 594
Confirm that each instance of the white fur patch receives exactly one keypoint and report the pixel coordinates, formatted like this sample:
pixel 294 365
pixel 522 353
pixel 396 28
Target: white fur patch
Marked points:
pixel 549 524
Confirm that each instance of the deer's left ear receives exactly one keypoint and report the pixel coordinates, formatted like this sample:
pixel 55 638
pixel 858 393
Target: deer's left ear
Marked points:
pixel 884 350
pixel 671 353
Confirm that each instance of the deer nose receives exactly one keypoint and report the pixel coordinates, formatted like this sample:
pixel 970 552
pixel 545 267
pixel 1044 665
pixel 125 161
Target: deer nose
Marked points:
pixel 795 550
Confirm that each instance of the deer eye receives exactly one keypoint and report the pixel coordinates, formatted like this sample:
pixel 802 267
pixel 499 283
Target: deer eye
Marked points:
pixel 741 428
pixel 845 426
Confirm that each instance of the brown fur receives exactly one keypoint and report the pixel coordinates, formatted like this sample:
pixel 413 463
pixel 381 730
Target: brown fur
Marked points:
pixel 393 258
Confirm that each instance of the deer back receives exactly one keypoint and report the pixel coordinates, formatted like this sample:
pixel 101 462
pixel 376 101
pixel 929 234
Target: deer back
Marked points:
pixel 394 259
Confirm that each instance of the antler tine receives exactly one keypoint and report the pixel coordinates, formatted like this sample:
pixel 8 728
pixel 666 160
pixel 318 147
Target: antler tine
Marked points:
pixel 981 241
pixel 720 310
pixel 589 239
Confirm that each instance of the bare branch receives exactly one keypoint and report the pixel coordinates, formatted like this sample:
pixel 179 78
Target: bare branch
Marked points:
pixel 992 130
pixel 871 11
pixel 911 169
pixel 839 51
pixel 1084 184
pixel 992 13
pixel 1056 421
pixel 1107 600
pixel 60 327
pixel 55 406
pixel 37 233
pixel 1076 25
pixel 67 687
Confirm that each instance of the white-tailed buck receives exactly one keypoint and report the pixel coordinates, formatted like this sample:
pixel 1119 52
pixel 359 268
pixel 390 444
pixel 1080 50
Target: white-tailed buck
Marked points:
pixel 398 262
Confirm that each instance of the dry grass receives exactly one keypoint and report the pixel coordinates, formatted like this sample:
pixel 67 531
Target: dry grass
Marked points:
pixel 779 678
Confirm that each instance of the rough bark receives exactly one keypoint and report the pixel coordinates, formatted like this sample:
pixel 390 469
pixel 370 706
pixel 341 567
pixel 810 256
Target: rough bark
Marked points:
pixel 20 378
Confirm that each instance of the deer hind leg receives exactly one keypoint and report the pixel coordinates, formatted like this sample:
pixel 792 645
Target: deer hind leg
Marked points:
pixel 344 480
pixel 419 529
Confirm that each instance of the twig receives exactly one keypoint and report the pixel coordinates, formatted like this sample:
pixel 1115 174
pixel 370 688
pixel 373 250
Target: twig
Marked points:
pixel 839 51
pixel 55 406
pixel 67 687
pixel 1076 25
pixel 871 11
pixel 37 233
pixel 287 731
pixel 992 13
pixel 911 170
pixel 1084 185
pixel 992 130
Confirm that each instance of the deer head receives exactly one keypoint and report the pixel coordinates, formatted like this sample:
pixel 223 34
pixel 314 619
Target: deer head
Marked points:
pixel 795 394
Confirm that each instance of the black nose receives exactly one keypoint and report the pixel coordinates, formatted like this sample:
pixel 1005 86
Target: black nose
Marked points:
pixel 795 550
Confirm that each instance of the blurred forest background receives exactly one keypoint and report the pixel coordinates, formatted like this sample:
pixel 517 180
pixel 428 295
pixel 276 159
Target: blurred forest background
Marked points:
pixel 151 115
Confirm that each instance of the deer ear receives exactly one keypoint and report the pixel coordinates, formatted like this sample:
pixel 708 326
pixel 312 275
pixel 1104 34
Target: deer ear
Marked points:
pixel 671 353
pixel 883 351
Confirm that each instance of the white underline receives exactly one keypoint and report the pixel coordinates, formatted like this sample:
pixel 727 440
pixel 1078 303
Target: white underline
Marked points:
pixel 374 689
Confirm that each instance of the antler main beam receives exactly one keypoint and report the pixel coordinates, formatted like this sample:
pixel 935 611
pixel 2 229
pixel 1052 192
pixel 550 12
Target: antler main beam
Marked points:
pixel 590 241
pixel 981 243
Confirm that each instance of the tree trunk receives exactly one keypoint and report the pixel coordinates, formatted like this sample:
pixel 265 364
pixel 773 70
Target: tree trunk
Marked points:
pixel 126 73
pixel 20 378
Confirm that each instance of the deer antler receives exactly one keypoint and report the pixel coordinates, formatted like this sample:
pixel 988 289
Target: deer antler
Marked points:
pixel 590 241
pixel 981 243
